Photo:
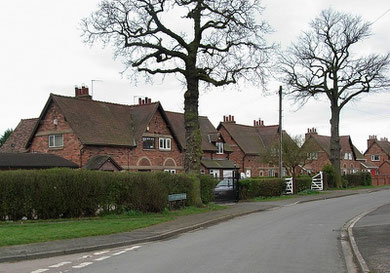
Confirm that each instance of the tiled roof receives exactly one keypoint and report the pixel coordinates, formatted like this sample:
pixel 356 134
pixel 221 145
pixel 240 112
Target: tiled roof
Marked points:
pixel 252 139
pixel 16 142
pixel 97 161
pixel 385 146
pixel 345 143
pixel 206 129
pixel 103 123
pixel 33 160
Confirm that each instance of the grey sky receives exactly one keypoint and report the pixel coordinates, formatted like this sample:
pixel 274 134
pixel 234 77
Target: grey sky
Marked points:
pixel 41 52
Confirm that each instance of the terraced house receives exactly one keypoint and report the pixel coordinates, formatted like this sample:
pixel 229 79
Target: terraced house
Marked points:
pixel 378 156
pixel 247 142
pixel 109 136
pixel 351 159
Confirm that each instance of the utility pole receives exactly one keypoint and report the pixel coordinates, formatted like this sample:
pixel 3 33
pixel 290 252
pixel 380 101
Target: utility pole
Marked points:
pixel 280 133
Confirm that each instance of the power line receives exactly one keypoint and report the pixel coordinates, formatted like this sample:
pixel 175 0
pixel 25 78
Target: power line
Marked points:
pixel 380 16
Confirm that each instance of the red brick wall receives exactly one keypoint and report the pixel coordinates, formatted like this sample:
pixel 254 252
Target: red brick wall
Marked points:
pixel 376 150
pixel 380 180
pixel 248 162
pixel 385 169
pixel 40 142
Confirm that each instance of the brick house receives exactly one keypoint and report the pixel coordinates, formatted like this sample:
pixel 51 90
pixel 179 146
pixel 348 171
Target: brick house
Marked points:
pixel 215 159
pixel 351 158
pixel 107 136
pixel 378 154
pixel 137 137
pixel 247 142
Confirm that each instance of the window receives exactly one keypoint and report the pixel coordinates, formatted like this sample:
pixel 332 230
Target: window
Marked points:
pixel 170 171
pixel 312 156
pixel 346 156
pixel 375 158
pixel 350 156
pixel 56 141
pixel 148 143
pixel 271 173
pixel 220 147
pixel 164 144
pixel 214 173
pixel 248 173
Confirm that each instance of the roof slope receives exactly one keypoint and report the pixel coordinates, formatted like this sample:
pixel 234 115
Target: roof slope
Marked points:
pixel 97 161
pixel 345 143
pixel 16 142
pixel 103 123
pixel 385 146
pixel 33 160
pixel 252 139
pixel 207 130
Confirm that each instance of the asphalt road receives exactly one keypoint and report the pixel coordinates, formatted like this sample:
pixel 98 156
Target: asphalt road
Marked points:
pixel 298 238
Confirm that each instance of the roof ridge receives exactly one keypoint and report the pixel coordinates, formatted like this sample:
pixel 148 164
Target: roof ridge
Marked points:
pixel 29 118
pixel 106 102
pixel 174 112
pixel 250 126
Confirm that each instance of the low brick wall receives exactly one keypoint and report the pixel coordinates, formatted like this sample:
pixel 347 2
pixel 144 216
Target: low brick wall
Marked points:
pixel 379 180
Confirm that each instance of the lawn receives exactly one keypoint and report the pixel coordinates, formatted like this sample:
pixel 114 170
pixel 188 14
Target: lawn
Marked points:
pixel 26 232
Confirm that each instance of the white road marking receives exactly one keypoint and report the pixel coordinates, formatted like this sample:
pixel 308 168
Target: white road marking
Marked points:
pixel 119 253
pixel 40 270
pixel 101 252
pixel 85 257
pixel 59 264
pixel 82 265
pixel 132 248
pixel 102 258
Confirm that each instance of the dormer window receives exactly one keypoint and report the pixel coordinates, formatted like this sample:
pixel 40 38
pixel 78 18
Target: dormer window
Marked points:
pixel 56 141
pixel 220 147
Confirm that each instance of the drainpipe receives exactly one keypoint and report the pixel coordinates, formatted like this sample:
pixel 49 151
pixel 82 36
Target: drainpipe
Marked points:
pixel 81 156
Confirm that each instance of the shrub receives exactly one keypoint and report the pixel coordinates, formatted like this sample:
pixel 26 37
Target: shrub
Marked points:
pixel 329 176
pixel 303 183
pixel 65 193
pixel 254 187
pixel 358 179
pixel 207 185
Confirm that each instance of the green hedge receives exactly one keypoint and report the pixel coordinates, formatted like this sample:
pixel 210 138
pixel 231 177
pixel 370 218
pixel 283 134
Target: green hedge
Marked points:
pixel 358 179
pixel 255 187
pixel 207 185
pixel 65 193
pixel 303 183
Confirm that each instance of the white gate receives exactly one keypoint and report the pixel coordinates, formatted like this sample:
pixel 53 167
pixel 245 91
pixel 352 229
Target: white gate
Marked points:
pixel 317 182
pixel 289 185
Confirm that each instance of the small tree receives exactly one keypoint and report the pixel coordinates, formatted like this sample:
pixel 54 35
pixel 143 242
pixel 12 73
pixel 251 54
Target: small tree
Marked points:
pixel 322 62
pixel 5 136
pixel 214 42
pixel 294 154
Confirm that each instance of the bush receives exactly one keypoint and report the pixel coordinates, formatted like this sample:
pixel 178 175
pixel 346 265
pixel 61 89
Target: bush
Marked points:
pixel 254 187
pixel 207 185
pixel 358 179
pixel 66 193
pixel 303 183
pixel 329 176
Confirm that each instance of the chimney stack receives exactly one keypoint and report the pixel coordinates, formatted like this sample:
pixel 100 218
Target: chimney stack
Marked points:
pixel 146 100
pixel 229 119
pixel 371 139
pixel 258 123
pixel 310 131
pixel 82 92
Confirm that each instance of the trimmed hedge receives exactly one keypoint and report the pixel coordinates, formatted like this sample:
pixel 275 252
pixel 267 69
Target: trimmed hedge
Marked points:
pixel 66 193
pixel 358 179
pixel 207 185
pixel 303 183
pixel 255 187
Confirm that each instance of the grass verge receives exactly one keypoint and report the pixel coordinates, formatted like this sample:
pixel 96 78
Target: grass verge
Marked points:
pixel 360 187
pixel 27 232
pixel 284 197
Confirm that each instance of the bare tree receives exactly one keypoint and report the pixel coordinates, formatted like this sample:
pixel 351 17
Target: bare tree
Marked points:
pixel 322 62
pixel 215 42
pixel 294 154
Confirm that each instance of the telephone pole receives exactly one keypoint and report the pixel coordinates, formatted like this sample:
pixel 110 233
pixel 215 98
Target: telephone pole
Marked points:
pixel 280 134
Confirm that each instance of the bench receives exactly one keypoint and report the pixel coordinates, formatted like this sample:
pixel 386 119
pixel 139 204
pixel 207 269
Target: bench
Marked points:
pixel 177 200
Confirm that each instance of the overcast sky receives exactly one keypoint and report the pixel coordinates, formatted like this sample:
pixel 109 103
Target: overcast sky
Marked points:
pixel 41 52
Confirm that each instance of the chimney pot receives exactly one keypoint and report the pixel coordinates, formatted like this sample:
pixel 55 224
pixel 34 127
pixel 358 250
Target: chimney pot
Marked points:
pixel 230 118
pixel 149 101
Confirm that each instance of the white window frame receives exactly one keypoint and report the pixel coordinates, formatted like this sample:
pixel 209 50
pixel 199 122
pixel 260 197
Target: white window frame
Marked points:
pixel 220 147
pixel 164 144
pixel 350 156
pixel 145 139
pixel 373 158
pixel 214 173
pixel 173 171
pixel 312 156
pixel 346 156
pixel 248 173
pixel 53 139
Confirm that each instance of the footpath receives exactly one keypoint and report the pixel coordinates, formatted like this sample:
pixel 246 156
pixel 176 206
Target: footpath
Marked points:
pixel 187 223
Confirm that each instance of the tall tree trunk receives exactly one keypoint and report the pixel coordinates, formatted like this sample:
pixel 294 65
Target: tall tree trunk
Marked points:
pixel 335 147
pixel 193 152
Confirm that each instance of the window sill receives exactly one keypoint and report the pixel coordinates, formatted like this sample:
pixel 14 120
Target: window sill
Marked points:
pixel 56 148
